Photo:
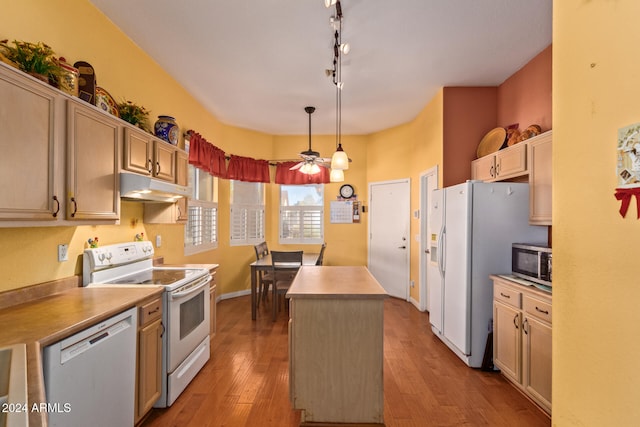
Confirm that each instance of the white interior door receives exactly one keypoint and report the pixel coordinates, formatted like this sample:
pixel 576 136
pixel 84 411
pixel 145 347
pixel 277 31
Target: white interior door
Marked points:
pixel 428 183
pixel 389 222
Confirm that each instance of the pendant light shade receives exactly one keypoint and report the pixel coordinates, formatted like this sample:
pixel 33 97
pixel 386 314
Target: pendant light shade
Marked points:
pixel 337 175
pixel 339 160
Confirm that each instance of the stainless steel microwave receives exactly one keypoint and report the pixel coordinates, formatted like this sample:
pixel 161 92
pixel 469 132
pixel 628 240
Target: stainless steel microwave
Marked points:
pixel 531 262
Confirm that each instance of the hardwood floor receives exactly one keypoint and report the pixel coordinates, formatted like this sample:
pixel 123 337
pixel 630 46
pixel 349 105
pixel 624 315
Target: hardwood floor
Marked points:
pixel 245 383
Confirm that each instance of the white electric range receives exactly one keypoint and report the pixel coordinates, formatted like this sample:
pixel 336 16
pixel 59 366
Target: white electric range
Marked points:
pixel 185 311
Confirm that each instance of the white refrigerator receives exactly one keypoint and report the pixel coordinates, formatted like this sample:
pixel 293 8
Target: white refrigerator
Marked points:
pixel 474 225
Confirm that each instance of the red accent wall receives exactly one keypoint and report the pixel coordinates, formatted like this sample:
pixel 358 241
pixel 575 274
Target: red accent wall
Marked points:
pixel 525 97
pixel 468 114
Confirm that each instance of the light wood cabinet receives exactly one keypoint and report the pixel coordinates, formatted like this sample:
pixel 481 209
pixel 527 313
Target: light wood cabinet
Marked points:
pixel 540 177
pixel 336 345
pixel 182 168
pixel 165 213
pixel 149 372
pixel 147 155
pixel 93 163
pixel 30 148
pixel 138 151
pixel 507 352
pixel 522 338
pixel 504 164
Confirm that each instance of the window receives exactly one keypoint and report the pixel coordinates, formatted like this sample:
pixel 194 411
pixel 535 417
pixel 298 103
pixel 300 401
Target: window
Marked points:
pixel 302 214
pixel 201 230
pixel 247 213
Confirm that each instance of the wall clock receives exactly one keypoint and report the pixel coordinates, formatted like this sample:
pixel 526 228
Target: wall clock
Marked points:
pixel 346 191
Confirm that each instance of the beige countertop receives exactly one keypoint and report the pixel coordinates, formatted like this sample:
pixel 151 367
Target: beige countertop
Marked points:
pixel 47 320
pixel 335 282
pixel 531 286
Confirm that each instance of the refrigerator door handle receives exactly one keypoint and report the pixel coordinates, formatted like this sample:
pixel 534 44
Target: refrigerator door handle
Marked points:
pixel 441 252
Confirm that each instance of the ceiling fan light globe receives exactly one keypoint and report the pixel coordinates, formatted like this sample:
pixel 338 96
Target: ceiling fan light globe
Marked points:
pixel 340 160
pixel 310 169
pixel 337 175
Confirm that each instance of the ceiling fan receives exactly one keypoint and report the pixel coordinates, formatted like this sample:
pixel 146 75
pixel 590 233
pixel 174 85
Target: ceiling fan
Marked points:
pixel 311 160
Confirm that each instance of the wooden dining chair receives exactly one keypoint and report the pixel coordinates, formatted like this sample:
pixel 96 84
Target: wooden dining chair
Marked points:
pixel 265 278
pixel 320 259
pixel 284 266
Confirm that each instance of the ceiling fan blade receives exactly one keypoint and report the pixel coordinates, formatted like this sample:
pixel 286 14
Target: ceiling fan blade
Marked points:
pixel 296 166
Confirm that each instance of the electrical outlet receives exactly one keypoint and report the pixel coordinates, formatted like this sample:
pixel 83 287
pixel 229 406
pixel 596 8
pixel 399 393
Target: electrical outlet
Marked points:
pixel 158 241
pixel 63 253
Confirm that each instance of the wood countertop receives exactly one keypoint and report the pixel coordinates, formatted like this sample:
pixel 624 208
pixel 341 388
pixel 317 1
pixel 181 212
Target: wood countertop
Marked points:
pixel 530 286
pixel 47 320
pixel 335 282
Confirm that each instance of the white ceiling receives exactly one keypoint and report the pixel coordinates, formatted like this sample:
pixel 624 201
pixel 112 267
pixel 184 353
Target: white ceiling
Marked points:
pixel 257 63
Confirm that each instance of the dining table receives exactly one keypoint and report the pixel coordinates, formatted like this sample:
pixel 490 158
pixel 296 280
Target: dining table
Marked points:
pixel 264 264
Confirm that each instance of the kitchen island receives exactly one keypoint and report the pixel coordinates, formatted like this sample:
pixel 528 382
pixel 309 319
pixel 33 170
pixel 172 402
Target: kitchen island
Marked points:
pixel 336 345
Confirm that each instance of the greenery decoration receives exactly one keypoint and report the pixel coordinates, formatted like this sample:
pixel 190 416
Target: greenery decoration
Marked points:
pixel 135 114
pixel 34 58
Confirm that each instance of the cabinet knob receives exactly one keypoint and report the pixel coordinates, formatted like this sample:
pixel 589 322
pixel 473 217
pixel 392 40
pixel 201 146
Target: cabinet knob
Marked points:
pixel 157 168
pixel 515 321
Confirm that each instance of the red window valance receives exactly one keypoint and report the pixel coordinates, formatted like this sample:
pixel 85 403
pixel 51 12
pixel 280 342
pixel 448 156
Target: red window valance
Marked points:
pixel 248 169
pixel 295 177
pixel 206 156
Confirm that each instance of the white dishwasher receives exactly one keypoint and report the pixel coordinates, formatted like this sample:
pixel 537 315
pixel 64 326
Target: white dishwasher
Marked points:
pixel 90 376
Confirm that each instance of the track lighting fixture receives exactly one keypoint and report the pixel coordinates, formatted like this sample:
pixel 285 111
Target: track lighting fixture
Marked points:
pixel 339 160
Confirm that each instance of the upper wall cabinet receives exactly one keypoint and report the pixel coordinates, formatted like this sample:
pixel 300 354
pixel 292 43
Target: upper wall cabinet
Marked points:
pixel 147 155
pixel 30 146
pixel 93 154
pixel 504 164
pixel 540 179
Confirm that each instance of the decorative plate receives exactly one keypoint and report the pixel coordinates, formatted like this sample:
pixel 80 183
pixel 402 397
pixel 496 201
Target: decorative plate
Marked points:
pixel 105 102
pixel 491 142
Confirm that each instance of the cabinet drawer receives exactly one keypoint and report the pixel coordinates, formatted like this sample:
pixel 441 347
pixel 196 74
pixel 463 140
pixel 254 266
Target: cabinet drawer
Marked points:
pixel 150 311
pixel 537 308
pixel 507 295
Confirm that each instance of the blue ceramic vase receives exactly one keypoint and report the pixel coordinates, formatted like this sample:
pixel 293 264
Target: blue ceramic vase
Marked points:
pixel 167 129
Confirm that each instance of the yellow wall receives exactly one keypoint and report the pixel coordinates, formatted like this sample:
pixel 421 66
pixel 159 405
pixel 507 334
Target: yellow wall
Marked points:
pixel 596 380
pixel 76 30
pixel 406 151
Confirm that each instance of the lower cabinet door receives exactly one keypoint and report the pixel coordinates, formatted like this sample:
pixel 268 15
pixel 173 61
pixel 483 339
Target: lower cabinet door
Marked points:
pixel 507 341
pixel 149 367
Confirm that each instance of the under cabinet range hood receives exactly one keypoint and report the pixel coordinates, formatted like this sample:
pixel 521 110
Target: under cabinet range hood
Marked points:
pixel 146 189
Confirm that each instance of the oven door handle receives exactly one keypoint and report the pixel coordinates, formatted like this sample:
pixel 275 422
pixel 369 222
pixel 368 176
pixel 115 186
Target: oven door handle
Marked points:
pixel 179 295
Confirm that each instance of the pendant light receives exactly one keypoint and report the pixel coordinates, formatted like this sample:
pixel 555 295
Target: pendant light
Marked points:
pixel 339 160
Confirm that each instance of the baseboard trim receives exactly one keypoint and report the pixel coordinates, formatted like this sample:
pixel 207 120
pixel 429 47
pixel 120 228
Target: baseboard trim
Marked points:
pixel 235 294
